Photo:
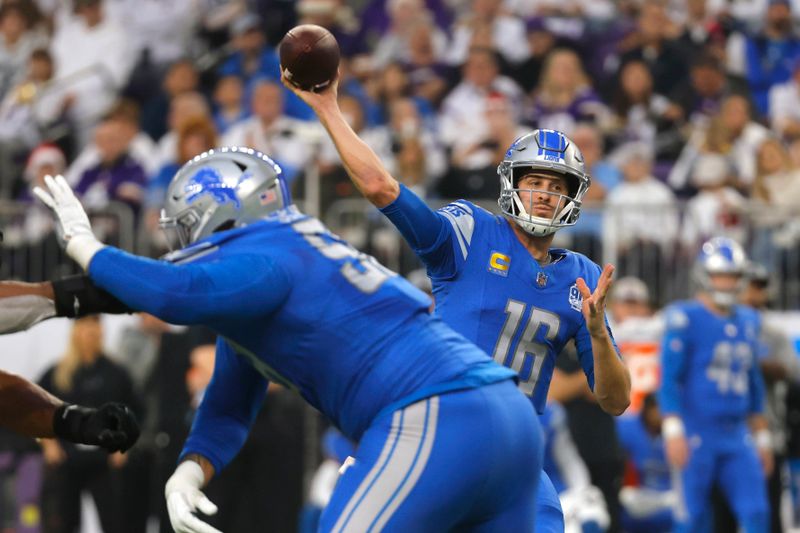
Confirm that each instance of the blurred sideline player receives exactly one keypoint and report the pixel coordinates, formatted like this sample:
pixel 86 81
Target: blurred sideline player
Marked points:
pixel 637 332
pixel 780 367
pixel 648 497
pixel 295 304
pixel 711 388
pixel 495 278
pixel 583 504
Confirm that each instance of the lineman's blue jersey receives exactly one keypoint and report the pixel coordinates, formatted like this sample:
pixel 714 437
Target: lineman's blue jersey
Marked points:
pixel 710 364
pixel 489 288
pixel 295 304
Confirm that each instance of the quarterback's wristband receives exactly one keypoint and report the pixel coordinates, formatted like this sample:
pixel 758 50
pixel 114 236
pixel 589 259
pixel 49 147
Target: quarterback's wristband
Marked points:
pixel 671 427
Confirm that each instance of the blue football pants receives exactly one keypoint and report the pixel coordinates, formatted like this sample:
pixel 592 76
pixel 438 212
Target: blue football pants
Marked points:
pixel 463 461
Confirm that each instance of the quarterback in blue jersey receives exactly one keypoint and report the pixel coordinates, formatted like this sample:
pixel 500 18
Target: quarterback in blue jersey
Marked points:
pixel 294 304
pixel 711 388
pixel 496 280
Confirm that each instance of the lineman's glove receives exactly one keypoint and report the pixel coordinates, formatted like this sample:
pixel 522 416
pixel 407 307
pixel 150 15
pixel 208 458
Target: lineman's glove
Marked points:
pixel 184 498
pixel 72 220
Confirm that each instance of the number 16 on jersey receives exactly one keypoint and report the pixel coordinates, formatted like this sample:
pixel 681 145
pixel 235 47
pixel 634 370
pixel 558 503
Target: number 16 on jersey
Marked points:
pixel 526 347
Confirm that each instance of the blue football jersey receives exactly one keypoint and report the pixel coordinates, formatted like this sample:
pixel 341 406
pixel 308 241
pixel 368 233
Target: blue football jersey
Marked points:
pixel 489 288
pixel 710 364
pixel 296 305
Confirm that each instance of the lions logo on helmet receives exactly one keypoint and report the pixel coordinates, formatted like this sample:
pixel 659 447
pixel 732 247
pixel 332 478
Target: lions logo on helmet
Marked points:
pixel 721 255
pixel 221 189
pixel 550 151
pixel 207 180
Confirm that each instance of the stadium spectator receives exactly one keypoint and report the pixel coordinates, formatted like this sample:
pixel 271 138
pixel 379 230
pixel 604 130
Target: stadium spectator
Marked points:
pixel 641 115
pixel 541 42
pixel 564 95
pixel 45 160
pixel 117 177
pixel 182 108
pixel 17 42
pixel 86 376
pixel 766 58
pixel 474 161
pixel 587 232
pixel 731 132
pixel 93 59
pixel 29 113
pixel 717 209
pixel 700 96
pixel 504 33
pixel 784 105
pixel 655 43
pixel 229 103
pixel 181 77
pixel 124 114
pixel 271 131
pixel 396 44
pixel 461 119
pixel 641 220
pixel 427 74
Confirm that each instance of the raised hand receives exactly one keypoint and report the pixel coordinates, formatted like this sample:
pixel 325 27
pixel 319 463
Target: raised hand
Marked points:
pixel 73 222
pixel 594 303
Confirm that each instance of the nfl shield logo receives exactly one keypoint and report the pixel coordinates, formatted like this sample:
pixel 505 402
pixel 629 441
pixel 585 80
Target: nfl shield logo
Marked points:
pixel 541 279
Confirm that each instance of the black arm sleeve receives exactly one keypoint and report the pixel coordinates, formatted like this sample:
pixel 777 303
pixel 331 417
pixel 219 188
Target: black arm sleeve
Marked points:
pixel 77 296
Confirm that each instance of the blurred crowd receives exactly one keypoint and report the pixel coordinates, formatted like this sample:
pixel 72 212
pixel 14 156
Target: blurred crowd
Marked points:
pixel 686 110
pixel 687 113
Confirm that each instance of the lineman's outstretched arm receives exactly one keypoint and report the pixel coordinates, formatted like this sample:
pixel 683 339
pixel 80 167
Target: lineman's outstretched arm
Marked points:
pixel 28 409
pixel 230 289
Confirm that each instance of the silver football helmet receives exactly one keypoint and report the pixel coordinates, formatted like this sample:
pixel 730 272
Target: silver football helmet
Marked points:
pixel 547 150
pixel 221 189
pixel 721 255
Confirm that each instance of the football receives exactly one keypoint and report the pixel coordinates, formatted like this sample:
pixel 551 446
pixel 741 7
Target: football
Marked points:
pixel 309 56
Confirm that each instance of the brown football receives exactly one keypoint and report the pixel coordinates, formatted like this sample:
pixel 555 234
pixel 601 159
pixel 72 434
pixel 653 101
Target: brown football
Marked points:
pixel 309 57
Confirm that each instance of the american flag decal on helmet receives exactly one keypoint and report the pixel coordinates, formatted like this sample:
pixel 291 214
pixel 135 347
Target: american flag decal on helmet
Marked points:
pixel 268 197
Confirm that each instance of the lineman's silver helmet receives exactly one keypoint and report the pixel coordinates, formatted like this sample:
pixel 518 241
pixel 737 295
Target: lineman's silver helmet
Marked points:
pixel 547 150
pixel 221 189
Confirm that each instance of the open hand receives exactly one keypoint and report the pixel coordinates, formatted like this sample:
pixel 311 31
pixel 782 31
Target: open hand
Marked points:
pixel 594 303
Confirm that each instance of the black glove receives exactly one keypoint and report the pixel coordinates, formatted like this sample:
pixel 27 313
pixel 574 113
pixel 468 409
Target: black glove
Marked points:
pixel 113 426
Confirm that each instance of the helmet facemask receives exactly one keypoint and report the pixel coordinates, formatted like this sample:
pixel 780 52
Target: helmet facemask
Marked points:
pixel 550 153
pixel 512 204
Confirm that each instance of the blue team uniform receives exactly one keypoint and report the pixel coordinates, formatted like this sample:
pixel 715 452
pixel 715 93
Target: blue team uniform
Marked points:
pixel 646 453
pixel 294 304
pixel 488 288
pixel 711 379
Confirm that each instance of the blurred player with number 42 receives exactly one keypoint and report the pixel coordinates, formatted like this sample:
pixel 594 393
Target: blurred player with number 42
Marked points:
pixel 294 304
pixel 711 389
